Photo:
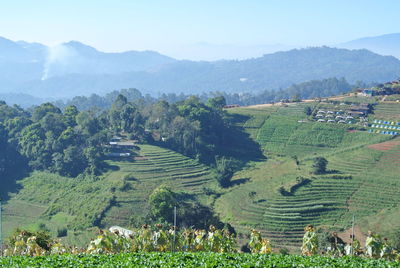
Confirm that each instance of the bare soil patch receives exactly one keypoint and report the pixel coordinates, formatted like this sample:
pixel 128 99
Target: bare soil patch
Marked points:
pixel 385 146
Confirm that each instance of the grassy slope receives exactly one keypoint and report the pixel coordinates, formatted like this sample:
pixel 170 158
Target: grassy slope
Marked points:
pixel 111 200
pixel 327 200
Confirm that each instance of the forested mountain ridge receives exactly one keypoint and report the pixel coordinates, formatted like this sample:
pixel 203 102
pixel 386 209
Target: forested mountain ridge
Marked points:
pixel 270 72
pixel 25 66
pixel 307 90
pixel 74 69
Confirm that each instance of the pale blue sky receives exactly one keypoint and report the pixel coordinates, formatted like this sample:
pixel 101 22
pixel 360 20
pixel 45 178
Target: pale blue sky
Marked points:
pixel 168 26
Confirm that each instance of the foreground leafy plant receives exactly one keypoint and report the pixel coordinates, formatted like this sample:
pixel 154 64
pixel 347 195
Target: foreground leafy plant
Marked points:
pixel 190 259
pixel 150 239
pixel 310 242
pixel 156 238
pixel 258 244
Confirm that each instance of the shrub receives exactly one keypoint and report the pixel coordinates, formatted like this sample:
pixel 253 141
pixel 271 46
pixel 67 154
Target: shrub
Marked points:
pixel 308 110
pixel 319 165
pixel 225 170
pixel 61 232
pixel 284 251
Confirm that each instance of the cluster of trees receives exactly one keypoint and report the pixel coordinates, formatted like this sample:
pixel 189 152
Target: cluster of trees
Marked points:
pixel 84 103
pixel 71 142
pixel 311 89
pixel 68 142
pixel 10 159
pixel 190 213
pixel 191 127
pixel 307 90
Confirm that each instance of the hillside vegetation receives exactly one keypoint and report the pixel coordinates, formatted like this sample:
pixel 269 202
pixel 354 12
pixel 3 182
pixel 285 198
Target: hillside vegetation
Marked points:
pixel 52 202
pixel 270 150
pixel 69 171
pixel 283 194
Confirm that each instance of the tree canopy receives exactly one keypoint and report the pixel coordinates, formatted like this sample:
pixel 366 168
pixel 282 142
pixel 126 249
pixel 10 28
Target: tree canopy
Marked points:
pixel 71 142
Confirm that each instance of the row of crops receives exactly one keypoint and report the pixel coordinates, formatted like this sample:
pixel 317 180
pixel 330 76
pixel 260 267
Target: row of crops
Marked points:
pixel 280 134
pixel 154 166
pixel 364 182
pixel 112 199
pixel 320 202
pixel 191 260
pixel 388 111
pixel 377 172
pixel 328 200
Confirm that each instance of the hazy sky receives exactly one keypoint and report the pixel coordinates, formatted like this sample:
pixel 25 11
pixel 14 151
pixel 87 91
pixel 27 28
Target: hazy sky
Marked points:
pixel 176 27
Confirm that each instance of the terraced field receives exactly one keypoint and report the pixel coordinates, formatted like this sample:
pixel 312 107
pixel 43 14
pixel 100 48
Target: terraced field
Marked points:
pixel 251 120
pixel 19 213
pixel 110 200
pixel 362 180
pixel 285 135
pixel 154 166
pixel 381 182
pixel 387 111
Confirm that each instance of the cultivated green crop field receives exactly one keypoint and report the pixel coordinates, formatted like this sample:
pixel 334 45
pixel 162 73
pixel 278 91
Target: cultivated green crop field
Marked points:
pixel 362 180
pixel 77 205
pixel 190 260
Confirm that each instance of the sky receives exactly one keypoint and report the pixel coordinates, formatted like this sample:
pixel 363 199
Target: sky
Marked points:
pixel 202 29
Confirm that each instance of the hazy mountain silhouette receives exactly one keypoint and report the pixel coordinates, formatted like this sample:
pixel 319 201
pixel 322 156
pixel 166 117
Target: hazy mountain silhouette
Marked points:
pixel 77 58
pixel 388 44
pixel 74 68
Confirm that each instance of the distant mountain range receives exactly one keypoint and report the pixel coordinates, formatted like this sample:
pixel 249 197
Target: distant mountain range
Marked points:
pixel 74 68
pixel 388 44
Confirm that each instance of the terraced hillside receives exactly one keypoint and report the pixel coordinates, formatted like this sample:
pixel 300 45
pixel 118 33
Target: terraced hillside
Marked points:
pixel 113 199
pixel 154 166
pixel 388 111
pixel 362 179
pixel 277 194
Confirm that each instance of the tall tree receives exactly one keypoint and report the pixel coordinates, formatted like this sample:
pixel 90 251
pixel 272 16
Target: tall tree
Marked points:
pixel 319 165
